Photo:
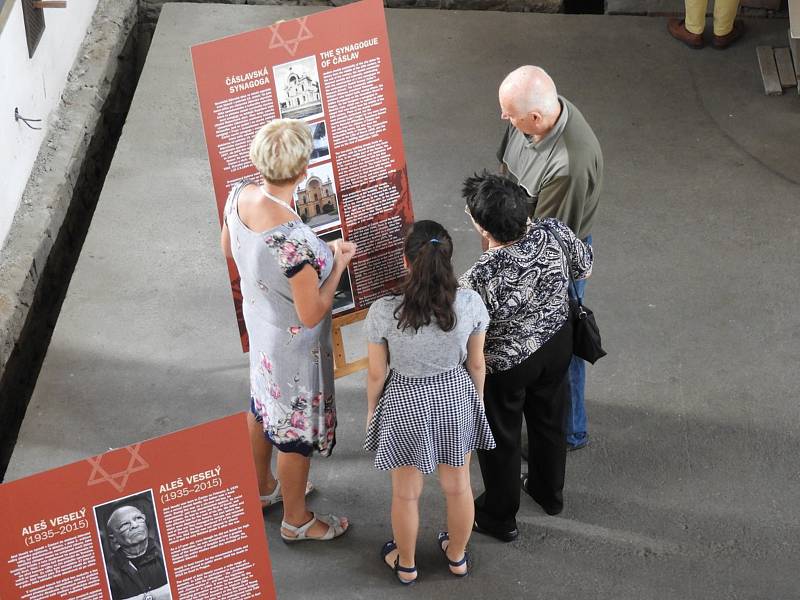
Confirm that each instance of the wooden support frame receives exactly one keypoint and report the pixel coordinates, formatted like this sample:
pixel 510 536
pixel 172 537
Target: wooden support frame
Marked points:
pixel 340 365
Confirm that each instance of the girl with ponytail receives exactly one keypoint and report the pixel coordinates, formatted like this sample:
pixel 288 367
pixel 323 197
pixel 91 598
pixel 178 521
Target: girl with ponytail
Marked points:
pixel 427 415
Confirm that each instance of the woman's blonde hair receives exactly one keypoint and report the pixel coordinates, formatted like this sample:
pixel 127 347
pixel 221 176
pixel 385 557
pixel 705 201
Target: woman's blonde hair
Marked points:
pixel 281 149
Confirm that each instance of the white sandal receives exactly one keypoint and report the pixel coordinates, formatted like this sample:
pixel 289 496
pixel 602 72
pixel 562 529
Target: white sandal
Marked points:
pixel 334 523
pixel 276 497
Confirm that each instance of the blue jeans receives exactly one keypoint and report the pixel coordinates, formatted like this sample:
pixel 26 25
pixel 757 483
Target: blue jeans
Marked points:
pixel 576 417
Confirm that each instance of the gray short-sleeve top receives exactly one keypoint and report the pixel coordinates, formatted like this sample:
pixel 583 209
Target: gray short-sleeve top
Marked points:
pixel 429 350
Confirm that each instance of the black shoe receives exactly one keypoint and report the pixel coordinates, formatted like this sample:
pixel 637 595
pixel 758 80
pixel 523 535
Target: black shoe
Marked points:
pixel 550 508
pixel 503 536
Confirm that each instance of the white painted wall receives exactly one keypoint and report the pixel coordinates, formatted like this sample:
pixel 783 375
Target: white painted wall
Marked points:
pixel 34 85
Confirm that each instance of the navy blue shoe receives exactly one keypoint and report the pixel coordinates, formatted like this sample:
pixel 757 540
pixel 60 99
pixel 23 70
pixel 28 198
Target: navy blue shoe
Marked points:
pixel 388 547
pixel 465 560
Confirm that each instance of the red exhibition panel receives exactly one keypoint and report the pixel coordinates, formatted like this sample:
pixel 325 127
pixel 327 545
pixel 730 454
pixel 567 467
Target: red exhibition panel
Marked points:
pixel 175 517
pixel 332 69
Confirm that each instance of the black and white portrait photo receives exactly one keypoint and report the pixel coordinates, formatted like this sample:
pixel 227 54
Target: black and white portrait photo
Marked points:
pixel 131 546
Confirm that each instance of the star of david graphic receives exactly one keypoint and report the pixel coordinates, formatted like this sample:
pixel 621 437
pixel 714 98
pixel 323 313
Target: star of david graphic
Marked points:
pixel 289 44
pixel 119 479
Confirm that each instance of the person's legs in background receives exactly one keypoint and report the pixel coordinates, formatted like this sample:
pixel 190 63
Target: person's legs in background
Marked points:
pixel 577 428
pixel 727 29
pixel 696 15
pixel 690 29
pixel 724 16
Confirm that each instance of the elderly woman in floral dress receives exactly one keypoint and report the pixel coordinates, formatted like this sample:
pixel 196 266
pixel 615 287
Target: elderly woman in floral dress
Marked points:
pixel 288 280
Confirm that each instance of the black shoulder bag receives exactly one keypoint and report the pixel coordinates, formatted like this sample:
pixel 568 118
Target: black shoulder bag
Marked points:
pixel 586 343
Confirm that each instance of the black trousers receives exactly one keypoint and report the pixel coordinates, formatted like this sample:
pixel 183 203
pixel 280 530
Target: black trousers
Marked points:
pixel 537 388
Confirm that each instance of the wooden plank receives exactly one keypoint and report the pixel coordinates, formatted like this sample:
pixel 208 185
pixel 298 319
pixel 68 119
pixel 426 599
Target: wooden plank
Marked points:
pixel 349 319
pixel 339 358
pixel 769 71
pixel 50 4
pixel 349 368
pixel 783 59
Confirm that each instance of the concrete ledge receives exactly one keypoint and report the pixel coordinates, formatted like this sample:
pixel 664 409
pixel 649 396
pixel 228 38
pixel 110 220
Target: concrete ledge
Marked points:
pixel 660 8
pixel 149 10
pixel 56 179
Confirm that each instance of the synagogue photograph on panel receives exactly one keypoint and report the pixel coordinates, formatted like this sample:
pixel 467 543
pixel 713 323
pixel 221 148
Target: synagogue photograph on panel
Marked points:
pixel 315 198
pixel 298 89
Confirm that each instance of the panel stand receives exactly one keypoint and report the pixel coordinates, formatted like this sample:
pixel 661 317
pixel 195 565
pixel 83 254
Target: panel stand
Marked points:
pixel 340 365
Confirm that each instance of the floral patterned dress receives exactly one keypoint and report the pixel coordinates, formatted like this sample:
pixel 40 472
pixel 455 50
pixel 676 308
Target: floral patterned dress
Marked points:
pixel 291 366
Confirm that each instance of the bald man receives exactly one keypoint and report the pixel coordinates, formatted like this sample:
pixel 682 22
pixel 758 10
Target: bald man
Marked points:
pixel 552 153
pixel 136 570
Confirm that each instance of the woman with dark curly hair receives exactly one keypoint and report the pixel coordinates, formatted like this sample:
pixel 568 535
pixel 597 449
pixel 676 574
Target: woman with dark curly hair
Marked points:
pixel 523 278
pixel 428 414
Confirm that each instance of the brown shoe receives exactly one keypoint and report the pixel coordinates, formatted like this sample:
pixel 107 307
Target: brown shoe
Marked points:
pixel 677 29
pixel 721 42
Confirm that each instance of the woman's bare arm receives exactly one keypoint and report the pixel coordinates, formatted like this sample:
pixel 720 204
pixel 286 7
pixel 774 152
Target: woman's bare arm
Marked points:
pixel 312 302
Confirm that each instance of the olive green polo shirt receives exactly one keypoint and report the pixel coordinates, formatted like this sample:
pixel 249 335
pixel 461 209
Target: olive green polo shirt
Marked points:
pixel 562 173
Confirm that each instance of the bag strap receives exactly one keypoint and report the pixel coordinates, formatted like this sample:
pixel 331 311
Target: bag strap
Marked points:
pixel 564 249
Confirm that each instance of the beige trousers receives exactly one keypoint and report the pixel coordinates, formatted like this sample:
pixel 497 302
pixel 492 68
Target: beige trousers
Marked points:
pixel 724 14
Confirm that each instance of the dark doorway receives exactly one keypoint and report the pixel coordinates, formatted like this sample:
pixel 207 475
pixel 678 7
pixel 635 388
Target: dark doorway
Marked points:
pixel 587 7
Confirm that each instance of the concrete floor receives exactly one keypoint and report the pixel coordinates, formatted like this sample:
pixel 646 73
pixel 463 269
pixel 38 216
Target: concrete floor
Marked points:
pixel 689 488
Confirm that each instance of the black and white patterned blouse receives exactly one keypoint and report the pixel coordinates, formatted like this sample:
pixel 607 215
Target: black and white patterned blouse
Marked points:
pixel 524 287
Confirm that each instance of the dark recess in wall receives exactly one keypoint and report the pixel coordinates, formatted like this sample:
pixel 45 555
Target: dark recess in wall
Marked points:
pixel 588 7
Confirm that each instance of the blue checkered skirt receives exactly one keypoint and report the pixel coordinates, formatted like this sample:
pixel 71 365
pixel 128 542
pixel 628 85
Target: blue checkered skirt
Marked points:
pixel 425 421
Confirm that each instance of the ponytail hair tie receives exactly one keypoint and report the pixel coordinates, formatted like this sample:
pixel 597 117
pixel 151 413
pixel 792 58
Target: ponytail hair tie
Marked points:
pixel 434 241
